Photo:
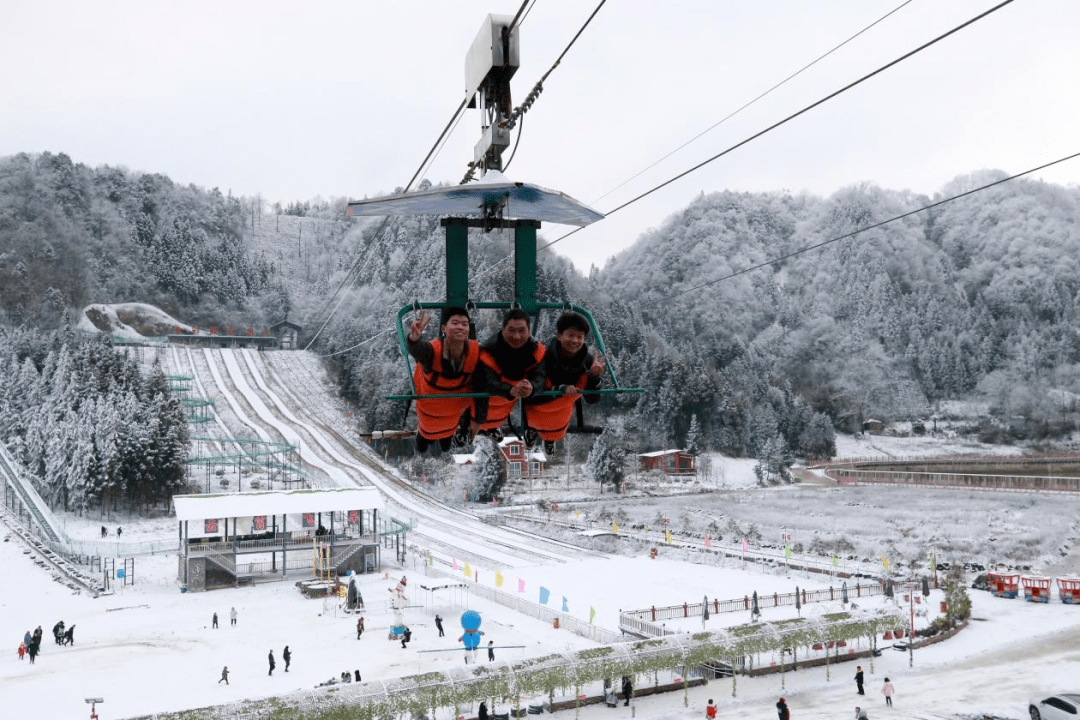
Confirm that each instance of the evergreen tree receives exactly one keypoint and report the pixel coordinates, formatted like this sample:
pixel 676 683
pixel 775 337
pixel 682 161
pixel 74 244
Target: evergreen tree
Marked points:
pixel 488 470
pixel 692 437
pixel 607 460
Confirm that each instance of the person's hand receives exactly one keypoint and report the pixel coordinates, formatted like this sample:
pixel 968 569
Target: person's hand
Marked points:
pixel 598 364
pixel 418 325
pixel 522 389
pixel 570 390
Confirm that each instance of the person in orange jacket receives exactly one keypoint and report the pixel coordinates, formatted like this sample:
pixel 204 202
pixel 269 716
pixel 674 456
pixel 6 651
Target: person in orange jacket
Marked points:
pixel 443 366
pixel 569 367
pixel 511 369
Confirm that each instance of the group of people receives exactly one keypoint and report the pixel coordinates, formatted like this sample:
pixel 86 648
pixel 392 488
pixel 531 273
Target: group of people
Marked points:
pixel 31 642
pixel 105 532
pixel 511 366
pixel 887 689
pixel 232 618
pixel 611 699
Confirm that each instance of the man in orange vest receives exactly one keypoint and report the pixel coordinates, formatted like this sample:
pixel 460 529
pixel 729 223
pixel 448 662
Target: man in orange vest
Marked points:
pixel 443 366
pixel 511 368
pixel 569 366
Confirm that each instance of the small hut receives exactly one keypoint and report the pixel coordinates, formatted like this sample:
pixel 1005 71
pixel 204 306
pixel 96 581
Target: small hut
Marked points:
pixel 286 333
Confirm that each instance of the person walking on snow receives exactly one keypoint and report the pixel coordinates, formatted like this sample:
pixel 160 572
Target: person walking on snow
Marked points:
pixel 491 651
pixel 22 650
pixel 359 627
pixel 288 657
pixel 888 690
pixel 438 624
pixel 232 616
pixel 273 664
pixel 782 710
pixel 214 623
pixel 406 638
pixel 224 675
pixel 710 710
pixel 119 531
pixel 859 679
pixel 627 689
pixel 104 532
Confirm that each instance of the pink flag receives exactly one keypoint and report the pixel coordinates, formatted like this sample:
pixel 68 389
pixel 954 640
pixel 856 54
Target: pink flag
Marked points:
pixel 521 585
pixel 708 541
pixel 455 563
pixel 745 545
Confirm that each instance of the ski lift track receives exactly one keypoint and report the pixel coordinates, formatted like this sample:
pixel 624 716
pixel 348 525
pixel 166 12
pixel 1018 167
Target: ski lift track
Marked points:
pixel 430 509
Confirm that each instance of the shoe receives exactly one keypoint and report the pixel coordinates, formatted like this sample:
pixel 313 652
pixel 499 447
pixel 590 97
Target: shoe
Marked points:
pixel 549 447
pixel 461 437
pixel 531 438
pixel 496 435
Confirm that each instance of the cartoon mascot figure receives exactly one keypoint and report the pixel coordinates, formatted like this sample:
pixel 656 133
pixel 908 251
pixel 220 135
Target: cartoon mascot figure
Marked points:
pixel 470 623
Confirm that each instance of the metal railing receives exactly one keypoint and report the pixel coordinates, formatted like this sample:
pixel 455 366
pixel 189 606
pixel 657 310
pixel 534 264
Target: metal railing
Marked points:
pixel 540 612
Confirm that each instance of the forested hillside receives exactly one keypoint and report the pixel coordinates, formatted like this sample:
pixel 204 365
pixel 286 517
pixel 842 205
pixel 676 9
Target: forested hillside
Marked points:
pixel 974 301
pixel 91 432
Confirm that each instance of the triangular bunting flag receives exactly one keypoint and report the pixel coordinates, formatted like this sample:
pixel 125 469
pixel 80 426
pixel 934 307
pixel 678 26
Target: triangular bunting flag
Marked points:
pixel 787 550
pixel 565 607
pixel 745 545
pixel 468 572
pixel 615 526
pixel 498 579
pixel 592 614
pixel 885 563
pixel 544 595
pixel 667 536
pixel 454 560
pixel 521 585
pixel 708 541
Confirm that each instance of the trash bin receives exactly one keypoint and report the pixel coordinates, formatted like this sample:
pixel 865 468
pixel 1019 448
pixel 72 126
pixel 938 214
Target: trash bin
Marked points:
pixel 535 709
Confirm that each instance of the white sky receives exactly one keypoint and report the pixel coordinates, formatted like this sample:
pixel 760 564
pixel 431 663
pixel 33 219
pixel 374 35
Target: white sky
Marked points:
pixel 344 99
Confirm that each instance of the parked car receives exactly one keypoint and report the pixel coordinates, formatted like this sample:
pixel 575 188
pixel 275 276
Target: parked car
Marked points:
pixel 1056 707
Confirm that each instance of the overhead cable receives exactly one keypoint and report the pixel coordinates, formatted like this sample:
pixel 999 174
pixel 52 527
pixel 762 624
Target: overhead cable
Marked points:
pixel 794 115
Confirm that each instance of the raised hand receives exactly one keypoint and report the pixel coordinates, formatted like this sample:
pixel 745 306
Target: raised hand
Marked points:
pixel 598 365
pixel 418 325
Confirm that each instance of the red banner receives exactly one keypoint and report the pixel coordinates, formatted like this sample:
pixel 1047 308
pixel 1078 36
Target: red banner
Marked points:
pixel 210 526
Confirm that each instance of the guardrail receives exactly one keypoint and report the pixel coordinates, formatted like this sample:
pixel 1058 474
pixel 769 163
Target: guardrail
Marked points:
pixel 540 612
pixel 966 481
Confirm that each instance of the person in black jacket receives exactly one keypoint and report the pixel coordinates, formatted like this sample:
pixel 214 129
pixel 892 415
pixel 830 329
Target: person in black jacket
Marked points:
pixel 287 656
pixel 569 367
pixel 627 689
pixel 859 679
pixel 782 710
pixel 511 369
pixel 438 624
pixel 273 664
pixel 482 714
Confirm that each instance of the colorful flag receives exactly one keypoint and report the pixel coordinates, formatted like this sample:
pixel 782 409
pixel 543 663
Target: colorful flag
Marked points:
pixel 544 595
pixel 615 526
pixel 708 541
pixel 454 560
pixel 745 545
pixel 565 607
pixel 933 564
pixel 521 585
pixel 468 572
pixel 498 579
pixel 430 559
pixel 667 536
pixel 834 559
pixel 787 550
pixel 885 562
pixel 592 614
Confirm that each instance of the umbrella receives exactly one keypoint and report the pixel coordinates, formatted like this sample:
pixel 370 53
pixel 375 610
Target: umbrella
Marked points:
pixel 705 606
pixel 843 594
pixel 798 600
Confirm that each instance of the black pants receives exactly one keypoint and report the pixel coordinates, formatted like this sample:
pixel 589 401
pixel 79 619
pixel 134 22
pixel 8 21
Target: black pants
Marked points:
pixel 888 700
pixel 860 689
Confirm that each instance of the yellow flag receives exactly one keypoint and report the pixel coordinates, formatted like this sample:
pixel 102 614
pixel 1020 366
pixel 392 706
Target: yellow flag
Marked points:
pixel 615 526
pixel 498 579
pixel 468 572
pixel 885 563
pixel 667 536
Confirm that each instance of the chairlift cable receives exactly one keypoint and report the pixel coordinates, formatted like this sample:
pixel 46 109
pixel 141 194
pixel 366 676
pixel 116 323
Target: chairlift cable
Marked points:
pixel 796 114
pixel 732 114
pixel 435 148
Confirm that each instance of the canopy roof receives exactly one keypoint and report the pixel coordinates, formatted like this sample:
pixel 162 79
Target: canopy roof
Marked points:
pixel 522 200
pixel 276 502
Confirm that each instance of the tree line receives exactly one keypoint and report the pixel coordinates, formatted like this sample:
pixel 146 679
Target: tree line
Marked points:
pixel 90 430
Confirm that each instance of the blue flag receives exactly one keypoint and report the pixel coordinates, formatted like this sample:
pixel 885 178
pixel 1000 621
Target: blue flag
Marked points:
pixel 544 594
pixel 565 608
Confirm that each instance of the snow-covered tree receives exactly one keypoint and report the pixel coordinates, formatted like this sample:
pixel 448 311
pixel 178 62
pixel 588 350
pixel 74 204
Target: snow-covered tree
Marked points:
pixel 607 461
pixel 488 469
pixel 693 438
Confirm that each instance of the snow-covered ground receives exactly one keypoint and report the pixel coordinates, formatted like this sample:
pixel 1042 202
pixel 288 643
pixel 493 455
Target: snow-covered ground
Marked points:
pixel 150 648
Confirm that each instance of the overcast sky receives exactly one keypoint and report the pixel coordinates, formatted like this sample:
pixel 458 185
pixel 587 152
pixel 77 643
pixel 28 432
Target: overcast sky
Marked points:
pixel 333 99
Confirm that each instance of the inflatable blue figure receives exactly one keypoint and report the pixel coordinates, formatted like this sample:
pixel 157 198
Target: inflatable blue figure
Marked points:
pixel 470 622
